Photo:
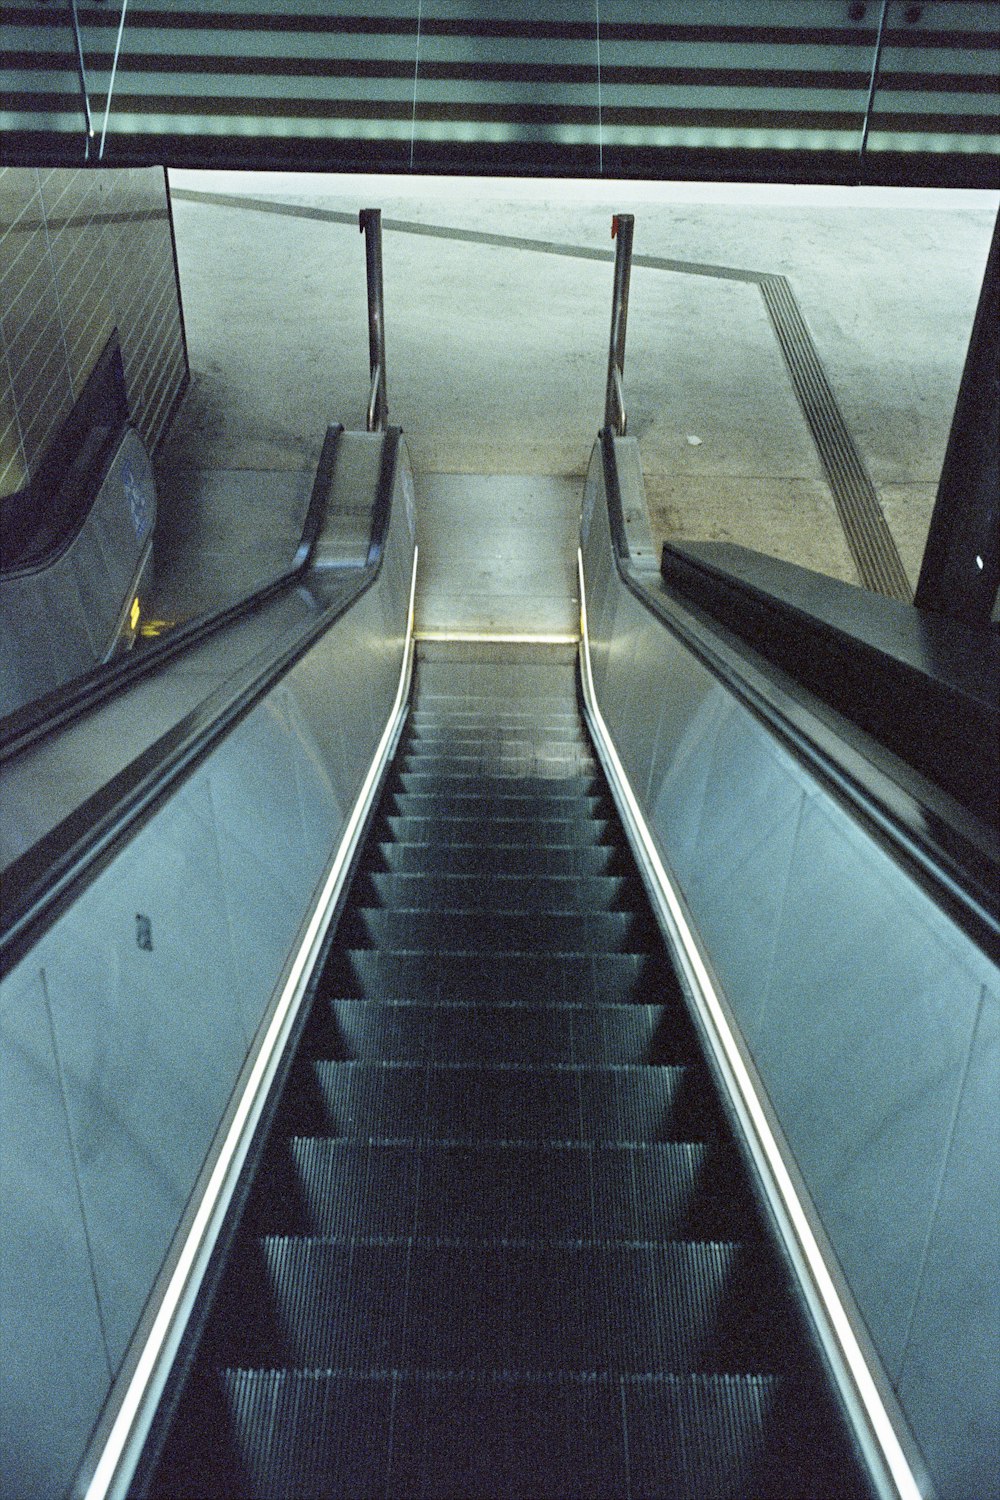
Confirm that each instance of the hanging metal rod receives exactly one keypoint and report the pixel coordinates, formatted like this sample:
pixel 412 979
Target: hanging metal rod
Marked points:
pixel 111 84
pixel 873 81
pixel 81 72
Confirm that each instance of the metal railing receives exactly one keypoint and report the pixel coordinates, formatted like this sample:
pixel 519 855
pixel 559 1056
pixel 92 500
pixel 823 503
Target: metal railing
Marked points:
pixel 615 417
pixel 81 73
pixel 370 225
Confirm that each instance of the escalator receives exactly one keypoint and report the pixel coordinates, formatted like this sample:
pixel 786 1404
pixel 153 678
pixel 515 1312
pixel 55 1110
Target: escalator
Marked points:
pixel 499 1239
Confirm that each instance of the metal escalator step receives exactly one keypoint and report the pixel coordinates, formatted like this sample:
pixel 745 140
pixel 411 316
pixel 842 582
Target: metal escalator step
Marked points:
pixel 562 782
pixel 315 1185
pixel 423 714
pixel 487 758
pixel 702 1437
pixel 752 1437
pixel 412 1031
pixel 546 893
pixel 441 829
pixel 609 1105
pixel 592 978
pixel 489 804
pixel 578 861
pixel 501 720
pixel 492 696
pixel 517 743
pixel 316 1433
pixel 414 929
pixel 452 1436
pixel 564 702
pixel 508 795
pixel 576 1306
pixel 300 1433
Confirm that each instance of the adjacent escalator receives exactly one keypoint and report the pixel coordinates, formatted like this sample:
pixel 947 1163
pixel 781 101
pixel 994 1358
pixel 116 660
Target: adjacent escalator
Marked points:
pixel 501 1241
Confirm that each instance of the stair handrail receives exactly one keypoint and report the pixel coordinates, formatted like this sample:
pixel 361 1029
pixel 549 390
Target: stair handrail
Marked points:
pixel 370 225
pixel 615 416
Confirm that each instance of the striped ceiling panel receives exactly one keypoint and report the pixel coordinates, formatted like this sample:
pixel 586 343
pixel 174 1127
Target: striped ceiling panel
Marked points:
pixel 824 90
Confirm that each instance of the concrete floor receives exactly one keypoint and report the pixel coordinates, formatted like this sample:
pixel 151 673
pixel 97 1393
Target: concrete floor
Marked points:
pixel 496 357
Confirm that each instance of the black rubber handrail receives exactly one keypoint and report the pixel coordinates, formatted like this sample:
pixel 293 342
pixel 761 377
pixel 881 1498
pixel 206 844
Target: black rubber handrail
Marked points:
pixel 101 407
pixel 63 705
pixel 44 880
pixel 946 856
pixel 924 686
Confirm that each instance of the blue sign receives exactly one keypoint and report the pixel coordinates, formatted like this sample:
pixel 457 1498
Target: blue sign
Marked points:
pixel 138 499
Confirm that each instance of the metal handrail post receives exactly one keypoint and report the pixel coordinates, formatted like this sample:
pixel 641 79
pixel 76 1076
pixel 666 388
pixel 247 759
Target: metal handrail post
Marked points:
pixel 370 225
pixel 81 73
pixel 622 226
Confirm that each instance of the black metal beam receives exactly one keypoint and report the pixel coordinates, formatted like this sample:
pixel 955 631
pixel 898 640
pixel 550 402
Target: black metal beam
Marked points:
pixel 960 573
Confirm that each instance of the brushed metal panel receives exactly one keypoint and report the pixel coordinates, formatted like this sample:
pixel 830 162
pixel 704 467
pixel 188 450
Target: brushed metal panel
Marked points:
pixel 646 689
pixel 52 1353
pixel 864 1037
pixel 320 818
pixel 683 779
pixel 150 1041
pixel 950 1381
pixel 753 786
pixel 262 914
pixel 253 793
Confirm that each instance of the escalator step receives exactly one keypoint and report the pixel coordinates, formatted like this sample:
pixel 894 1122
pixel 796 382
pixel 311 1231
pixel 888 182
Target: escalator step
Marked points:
pixel 411 1031
pixel 513 742
pixel 487 759
pixel 574 861
pixel 433 711
pixel 491 803
pixel 545 893
pixel 677 1190
pixel 302 1433
pixel 503 702
pixel 434 930
pixel 593 978
pixel 493 1102
pixel 315 1433
pixel 561 783
pixel 499 831
pixel 576 1306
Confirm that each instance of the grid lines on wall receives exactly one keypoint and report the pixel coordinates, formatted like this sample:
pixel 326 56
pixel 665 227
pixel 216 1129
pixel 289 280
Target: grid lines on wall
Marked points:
pixel 82 253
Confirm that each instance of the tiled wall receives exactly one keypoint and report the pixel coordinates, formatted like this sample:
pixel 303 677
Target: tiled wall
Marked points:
pixel 80 253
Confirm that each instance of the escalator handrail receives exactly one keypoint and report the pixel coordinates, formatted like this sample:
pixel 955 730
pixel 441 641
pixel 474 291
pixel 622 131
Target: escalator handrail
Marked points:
pixel 43 881
pixel 65 704
pixel 881 800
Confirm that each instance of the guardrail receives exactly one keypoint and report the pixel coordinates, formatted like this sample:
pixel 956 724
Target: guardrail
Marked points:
pixel 615 416
pixel 370 225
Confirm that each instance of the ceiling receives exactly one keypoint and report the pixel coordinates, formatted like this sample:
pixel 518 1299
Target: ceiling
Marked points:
pixel 775 90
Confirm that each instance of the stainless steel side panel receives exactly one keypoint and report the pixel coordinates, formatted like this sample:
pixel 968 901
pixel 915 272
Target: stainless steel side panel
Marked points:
pixel 123 1031
pixel 872 1019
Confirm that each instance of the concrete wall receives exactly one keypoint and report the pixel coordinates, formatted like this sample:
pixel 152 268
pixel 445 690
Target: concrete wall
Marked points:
pixel 80 253
pixel 873 1020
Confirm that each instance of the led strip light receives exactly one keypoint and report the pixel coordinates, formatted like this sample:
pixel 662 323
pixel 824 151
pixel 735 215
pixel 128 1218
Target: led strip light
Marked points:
pixel 873 1426
pixel 111 1477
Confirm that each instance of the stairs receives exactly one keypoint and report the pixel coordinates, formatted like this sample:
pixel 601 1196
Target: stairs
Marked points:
pixel 501 1242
